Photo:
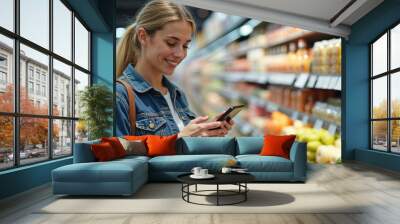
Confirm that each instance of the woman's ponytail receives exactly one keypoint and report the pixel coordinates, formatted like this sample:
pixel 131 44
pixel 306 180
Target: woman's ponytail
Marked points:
pixel 127 49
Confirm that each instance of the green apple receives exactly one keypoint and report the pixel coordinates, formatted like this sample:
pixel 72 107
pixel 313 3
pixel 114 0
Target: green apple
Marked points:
pixel 313 146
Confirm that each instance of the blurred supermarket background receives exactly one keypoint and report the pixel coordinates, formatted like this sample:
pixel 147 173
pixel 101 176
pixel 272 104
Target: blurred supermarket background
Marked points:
pixel 288 78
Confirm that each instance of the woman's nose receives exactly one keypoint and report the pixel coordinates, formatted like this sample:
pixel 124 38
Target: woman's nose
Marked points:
pixel 179 52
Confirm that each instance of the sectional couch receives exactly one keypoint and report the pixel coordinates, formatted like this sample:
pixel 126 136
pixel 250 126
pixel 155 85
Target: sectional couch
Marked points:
pixel 125 176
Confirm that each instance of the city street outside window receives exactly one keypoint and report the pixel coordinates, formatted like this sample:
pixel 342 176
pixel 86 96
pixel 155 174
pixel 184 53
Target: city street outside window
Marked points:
pixel 51 135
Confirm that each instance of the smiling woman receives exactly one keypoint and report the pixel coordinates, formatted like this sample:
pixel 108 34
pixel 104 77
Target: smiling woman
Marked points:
pixel 150 50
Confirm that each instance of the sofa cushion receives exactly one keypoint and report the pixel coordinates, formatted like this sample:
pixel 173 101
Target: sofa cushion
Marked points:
pixel 257 163
pixel 249 145
pixel 185 163
pixel 132 158
pixel 206 145
pixel 116 170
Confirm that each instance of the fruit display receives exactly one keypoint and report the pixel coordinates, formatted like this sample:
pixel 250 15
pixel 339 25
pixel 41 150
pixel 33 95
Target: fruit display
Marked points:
pixel 322 147
pixel 276 123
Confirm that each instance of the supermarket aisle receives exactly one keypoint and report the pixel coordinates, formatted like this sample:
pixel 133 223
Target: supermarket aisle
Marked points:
pixel 288 78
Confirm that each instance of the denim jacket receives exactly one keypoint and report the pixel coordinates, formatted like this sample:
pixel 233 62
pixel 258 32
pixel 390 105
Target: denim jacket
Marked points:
pixel 153 116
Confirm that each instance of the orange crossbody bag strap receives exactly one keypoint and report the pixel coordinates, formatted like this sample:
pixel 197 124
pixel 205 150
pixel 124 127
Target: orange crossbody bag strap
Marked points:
pixel 131 104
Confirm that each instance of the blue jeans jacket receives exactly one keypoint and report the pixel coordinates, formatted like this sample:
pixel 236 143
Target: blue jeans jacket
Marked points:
pixel 153 116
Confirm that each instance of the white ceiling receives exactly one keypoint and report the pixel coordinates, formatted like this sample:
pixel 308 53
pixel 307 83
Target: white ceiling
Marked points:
pixel 314 15
pixel 321 9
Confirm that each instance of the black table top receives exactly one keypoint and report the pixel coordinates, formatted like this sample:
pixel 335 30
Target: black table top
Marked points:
pixel 220 178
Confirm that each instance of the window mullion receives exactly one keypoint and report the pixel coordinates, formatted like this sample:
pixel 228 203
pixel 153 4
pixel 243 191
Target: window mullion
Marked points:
pixel 50 81
pixel 389 106
pixel 73 82
pixel 16 84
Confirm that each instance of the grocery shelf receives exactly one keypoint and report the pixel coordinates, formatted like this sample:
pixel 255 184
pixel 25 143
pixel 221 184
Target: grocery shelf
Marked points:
pixel 316 121
pixel 303 80
pixel 309 36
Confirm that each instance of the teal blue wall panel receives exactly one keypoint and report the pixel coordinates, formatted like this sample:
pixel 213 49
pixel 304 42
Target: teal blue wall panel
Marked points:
pixel 91 14
pixel 24 178
pixel 356 85
pixel 377 158
pixel 103 62
pixel 102 58
pixel 356 114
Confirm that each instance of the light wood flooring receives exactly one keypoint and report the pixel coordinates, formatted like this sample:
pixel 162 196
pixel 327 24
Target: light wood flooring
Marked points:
pixel 378 189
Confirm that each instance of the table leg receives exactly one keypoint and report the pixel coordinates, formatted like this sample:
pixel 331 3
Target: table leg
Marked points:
pixel 196 188
pixel 245 191
pixel 217 194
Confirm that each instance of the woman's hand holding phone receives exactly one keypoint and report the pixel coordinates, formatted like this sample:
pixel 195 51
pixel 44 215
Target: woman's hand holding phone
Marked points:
pixel 200 127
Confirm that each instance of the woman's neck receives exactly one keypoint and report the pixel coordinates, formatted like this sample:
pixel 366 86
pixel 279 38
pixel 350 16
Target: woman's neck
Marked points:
pixel 150 75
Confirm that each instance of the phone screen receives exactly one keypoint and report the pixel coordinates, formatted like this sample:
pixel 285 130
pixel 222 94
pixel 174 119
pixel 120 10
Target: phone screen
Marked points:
pixel 229 114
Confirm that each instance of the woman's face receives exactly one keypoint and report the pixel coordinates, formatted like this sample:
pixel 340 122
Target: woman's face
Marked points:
pixel 168 46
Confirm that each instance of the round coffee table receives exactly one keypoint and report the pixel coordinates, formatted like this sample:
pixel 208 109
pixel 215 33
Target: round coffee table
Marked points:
pixel 238 179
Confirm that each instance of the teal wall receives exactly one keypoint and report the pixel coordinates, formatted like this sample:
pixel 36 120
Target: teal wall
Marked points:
pixel 356 99
pixel 27 177
pixel 98 16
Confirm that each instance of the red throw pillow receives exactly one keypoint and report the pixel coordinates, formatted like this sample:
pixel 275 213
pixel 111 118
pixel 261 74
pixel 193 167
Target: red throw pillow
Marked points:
pixel 116 145
pixel 161 145
pixel 277 145
pixel 103 152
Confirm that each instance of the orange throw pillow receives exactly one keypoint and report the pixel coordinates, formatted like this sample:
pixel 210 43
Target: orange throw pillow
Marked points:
pixel 103 152
pixel 277 145
pixel 161 145
pixel 116 145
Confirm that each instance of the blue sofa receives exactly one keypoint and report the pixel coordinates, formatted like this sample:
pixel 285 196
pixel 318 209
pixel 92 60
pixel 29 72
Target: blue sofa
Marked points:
pixel 125 176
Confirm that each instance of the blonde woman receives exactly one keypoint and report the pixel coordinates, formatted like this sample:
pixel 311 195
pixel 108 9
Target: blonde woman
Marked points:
pixel 150 50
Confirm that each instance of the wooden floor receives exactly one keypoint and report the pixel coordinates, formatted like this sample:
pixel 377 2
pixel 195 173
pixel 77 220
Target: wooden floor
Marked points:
pixel 377 188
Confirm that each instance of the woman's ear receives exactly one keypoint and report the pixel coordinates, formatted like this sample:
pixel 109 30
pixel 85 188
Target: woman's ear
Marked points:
pixel 142 35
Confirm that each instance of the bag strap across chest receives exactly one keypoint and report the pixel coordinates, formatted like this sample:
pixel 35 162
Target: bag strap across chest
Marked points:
pixel 131 104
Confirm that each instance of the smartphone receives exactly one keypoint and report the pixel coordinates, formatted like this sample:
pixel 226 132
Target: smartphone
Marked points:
pixel 229 114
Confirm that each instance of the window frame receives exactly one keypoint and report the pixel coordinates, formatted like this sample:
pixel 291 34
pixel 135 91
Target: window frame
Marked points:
pixel 16 114
pixel 388 74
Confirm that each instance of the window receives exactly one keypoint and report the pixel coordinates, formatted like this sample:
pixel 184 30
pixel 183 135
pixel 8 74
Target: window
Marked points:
pixel 7 88
pixel 3 61
pixel 3 78
pixel 30 87
pixel 38 89
pixel 7 14
pixel 3 71
pixel 385 96
pixel 43 90
pixel 37 74
pixel 30 72
pixel 54 125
